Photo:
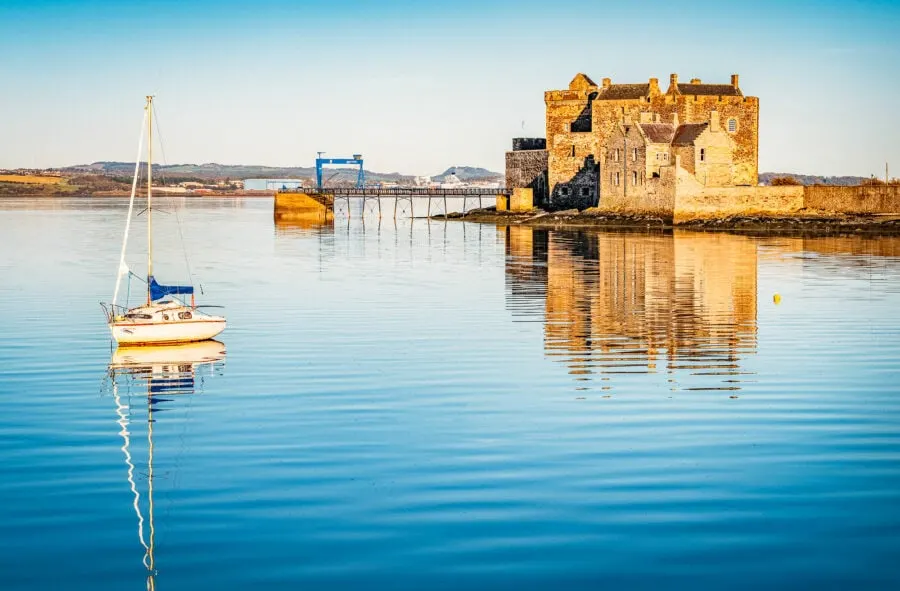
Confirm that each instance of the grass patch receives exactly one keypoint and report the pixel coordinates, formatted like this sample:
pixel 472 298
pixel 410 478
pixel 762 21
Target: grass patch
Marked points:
pixel 30 179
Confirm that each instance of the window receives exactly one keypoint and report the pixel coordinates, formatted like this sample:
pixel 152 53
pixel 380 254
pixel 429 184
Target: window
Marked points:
pixel 617 179
pixel 585 191
pixel 616 155
pixel 185 315
pixel 564 191
pixel 732 125
pixel 702 154
pixel 634 154
pixel 573 150
pixel 165 316
pixel 634 178
pixel 138 316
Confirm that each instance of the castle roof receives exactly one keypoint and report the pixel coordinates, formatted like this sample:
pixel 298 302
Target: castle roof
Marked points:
pixel 658 133
pixel 686 134
pixel 616 92
pixel 709 89
pixel 581 81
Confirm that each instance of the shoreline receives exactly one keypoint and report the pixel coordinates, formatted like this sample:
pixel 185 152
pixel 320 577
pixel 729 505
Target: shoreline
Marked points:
pixel 117 195
pixel 821 223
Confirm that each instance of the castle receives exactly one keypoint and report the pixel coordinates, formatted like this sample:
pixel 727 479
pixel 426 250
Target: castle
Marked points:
pixel 634 147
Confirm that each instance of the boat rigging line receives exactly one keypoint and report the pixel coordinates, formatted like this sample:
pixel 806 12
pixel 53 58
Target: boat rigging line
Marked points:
pixel 162 149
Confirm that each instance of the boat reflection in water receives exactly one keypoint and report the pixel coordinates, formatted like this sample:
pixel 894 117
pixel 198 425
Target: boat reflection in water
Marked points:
pixel 682 305
pixel 147 380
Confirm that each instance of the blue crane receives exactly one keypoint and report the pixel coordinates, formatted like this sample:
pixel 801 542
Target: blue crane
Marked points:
pixel 357 160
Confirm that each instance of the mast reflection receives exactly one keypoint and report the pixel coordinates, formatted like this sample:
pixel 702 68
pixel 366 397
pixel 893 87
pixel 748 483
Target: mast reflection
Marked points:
pixel 148 379
pixel 618 303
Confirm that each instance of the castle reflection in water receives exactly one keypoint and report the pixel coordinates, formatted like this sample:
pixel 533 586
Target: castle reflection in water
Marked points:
pixel 620 303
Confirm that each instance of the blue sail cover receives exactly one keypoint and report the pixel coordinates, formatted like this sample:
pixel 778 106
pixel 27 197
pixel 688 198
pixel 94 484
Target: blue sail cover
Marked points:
pixel 158 291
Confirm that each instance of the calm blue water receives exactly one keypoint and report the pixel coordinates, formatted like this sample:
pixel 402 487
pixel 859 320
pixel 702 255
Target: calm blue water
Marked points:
pixel 446 405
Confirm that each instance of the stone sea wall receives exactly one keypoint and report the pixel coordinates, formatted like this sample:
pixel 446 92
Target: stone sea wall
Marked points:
pixel 860 200
pixel 721 202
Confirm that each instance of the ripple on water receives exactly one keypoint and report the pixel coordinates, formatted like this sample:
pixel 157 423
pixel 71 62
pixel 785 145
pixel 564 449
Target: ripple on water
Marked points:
pixel 430 405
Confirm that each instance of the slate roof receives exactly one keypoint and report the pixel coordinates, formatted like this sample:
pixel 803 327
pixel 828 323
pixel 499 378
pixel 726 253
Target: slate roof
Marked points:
pixel 709 89
pixel 658 133
pixel 687 133
pixel 617 92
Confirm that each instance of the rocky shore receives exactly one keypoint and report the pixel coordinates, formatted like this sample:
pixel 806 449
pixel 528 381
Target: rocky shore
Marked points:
pixel 806 223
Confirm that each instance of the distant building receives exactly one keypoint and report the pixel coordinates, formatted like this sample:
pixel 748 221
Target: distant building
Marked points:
pixel 451 181
pixel 272 184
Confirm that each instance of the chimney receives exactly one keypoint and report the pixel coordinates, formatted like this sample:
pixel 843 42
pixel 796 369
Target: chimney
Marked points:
pixel 675 119
pixel 656 117
pixel 673 79
pixel 654 86
pixel 714 120
pixel 606 82
pixel 734 80
pixel 695 81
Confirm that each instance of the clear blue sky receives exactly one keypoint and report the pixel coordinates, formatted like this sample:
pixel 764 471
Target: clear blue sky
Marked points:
pixel 419 86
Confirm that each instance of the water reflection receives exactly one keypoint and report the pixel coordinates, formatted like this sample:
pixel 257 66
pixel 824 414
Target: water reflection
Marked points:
pixel 148 380
pixel 311 224
pixel 682 304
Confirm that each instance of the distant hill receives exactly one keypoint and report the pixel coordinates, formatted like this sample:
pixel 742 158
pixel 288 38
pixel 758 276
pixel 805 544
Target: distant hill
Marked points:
pixel 212 171
pixel 765 178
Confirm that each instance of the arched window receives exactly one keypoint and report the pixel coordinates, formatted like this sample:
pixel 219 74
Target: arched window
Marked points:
pixel 634 154
pixel 634 178
pixel 732 125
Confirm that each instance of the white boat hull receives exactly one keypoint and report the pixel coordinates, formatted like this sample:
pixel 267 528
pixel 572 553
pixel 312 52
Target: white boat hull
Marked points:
pixel 157 333
pixel 164 323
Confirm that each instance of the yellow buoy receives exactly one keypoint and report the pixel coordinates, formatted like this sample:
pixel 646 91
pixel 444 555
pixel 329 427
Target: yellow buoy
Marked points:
pixel 776 298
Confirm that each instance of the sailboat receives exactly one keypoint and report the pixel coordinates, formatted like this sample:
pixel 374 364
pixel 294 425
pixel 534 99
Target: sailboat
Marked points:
pixel 166 372
pixel 163 319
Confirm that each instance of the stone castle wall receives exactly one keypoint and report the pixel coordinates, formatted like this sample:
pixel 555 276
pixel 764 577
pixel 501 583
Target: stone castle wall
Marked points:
pixel 720 202
pixel 860 199
pixel 527 169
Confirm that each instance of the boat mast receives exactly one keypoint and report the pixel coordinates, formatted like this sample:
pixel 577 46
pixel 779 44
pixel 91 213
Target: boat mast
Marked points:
pixel 149 191
pixel 150 564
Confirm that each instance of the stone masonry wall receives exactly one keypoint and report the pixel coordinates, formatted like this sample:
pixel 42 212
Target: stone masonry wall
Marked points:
pixel 657 198
pixel 860 199
pixel 745 110
pixel 527 169
pixel 624 156
pixel 720 202
pixel 573 171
